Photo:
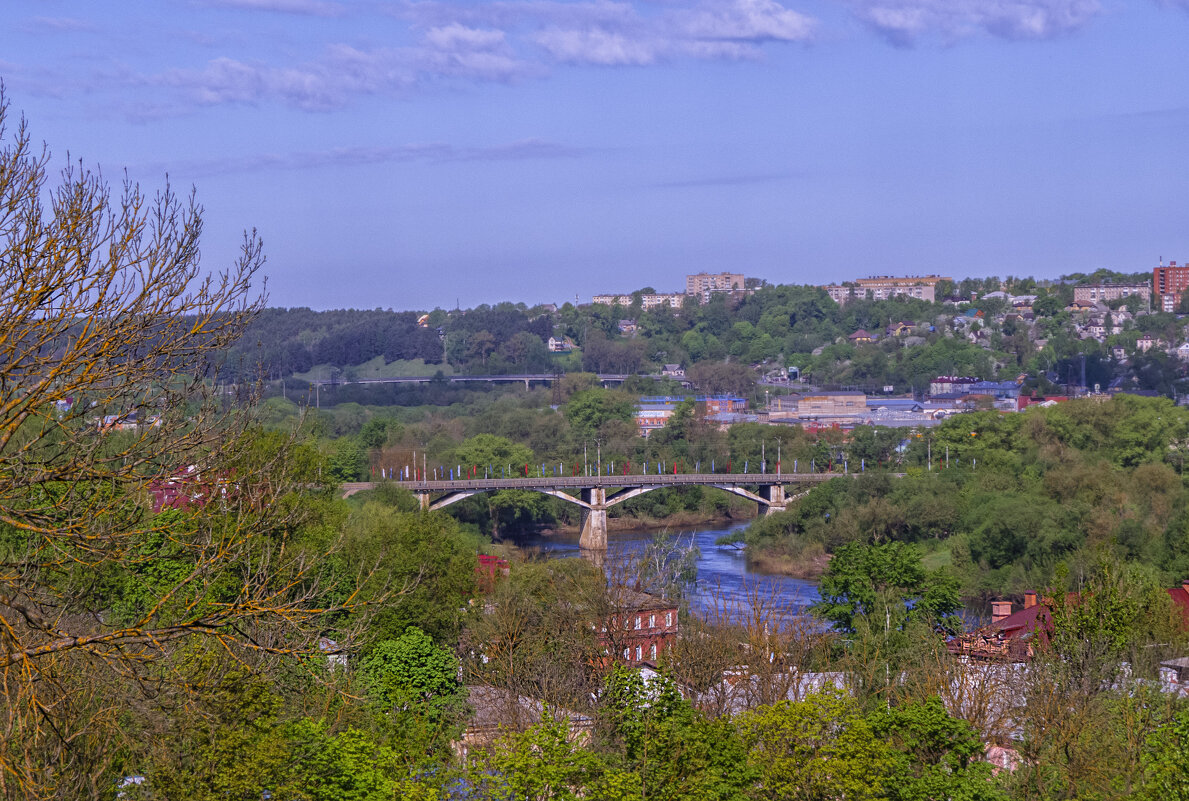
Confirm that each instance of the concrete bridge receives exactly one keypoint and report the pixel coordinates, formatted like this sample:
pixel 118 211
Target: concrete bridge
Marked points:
pixel 527 379
pixel 766 489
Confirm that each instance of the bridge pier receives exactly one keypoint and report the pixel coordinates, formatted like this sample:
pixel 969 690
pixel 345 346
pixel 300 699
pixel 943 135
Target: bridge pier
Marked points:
pixel 773 499
pixel 594 519
pixel 424 500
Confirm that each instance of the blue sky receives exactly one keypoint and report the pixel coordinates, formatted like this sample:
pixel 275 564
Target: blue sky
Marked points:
pixel 416 154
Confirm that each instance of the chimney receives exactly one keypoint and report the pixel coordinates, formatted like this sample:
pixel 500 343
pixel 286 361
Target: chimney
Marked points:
pixel 1000 610
pixel 1029 599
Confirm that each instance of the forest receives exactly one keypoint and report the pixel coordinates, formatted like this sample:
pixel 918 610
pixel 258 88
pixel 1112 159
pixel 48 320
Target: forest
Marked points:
pixel 778 326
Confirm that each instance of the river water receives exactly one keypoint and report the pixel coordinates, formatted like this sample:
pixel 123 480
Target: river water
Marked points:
pixel 724 581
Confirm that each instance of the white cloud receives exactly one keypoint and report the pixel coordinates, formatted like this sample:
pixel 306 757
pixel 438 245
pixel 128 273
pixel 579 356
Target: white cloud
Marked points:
pixel 343 72
pixel 715 29
pixel 748 20
pixel 598 46
pixel 905 21
pixel 456 37
pixel 497 42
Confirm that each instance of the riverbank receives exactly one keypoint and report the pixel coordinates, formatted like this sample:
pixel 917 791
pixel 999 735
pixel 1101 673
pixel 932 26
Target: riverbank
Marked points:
pixel 808 565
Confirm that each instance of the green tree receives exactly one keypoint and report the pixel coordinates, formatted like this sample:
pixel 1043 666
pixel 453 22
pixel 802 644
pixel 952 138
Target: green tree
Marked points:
pixel 677 754
pixel 488 452
pixel 888 580
pixel 1166 761
pixel 350 766
pixel 413 687
pixel 348 460
pixel 423 561
pixel 541 764
pixel 590 409
pixel 939 756
pixel 818 749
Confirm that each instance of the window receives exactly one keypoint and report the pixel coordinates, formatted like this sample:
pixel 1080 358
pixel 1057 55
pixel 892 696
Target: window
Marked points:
pixel 639 653
pixel 652 621
pixel 668 618
pixel 652 651
pixel 637 622
pixel 627 654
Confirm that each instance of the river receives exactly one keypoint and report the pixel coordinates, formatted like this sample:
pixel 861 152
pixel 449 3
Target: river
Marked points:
pixel 724 581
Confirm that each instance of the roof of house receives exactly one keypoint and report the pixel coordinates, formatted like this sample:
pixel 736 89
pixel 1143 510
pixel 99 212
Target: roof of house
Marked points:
pixel 496 708
pixel 1180 596
pixel 636 601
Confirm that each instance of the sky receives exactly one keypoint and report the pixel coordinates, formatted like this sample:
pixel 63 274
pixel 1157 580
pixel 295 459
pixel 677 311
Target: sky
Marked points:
pixel 427 153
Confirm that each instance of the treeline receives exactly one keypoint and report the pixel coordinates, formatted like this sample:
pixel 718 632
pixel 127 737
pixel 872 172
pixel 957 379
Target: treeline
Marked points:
pixel 776 327
pixel 1004 499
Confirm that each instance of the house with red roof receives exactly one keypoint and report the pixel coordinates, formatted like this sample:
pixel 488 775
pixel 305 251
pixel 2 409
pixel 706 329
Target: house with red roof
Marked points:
pixel 1015 635
pixel 1010 636
pixel 1180 597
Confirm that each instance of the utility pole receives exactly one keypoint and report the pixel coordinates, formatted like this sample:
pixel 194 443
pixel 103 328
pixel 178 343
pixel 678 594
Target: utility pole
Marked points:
pixel 599 456
pixel 585 466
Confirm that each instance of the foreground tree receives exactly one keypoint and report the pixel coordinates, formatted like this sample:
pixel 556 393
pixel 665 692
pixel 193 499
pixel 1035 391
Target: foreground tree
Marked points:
pixel 109 336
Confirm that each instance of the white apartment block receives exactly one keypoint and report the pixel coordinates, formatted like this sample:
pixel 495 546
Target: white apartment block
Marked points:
pixel 674 300
pixel 612 300
pixel 1100 293
pixel 922 287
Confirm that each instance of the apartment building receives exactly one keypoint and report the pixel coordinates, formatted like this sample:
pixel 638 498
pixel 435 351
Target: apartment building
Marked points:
pixel 1169 283
pixel 713 282
pixel 612 300
pixel 1101 293
pixel 672 299
pixel 882 287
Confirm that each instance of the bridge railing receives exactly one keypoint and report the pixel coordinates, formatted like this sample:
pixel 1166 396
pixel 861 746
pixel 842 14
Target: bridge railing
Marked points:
pixel 588 482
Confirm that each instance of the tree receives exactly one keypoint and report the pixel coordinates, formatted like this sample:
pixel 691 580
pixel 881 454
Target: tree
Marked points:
pixel 817 749
pixel 541 764
pixel 109 338
pixel 588 410
pixel 667 566
pixel 939 755
pixel 884 581
pixel 487 452
pixel 414 689
pixel 676 753
pixel 1166 761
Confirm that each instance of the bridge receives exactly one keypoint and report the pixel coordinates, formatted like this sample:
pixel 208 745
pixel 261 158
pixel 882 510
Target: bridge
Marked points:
pixel 766 489
pixel 515 378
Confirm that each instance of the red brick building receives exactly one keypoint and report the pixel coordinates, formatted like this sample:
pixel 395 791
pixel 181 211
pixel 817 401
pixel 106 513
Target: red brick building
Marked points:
pixel 642 629
pixel 1169 283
